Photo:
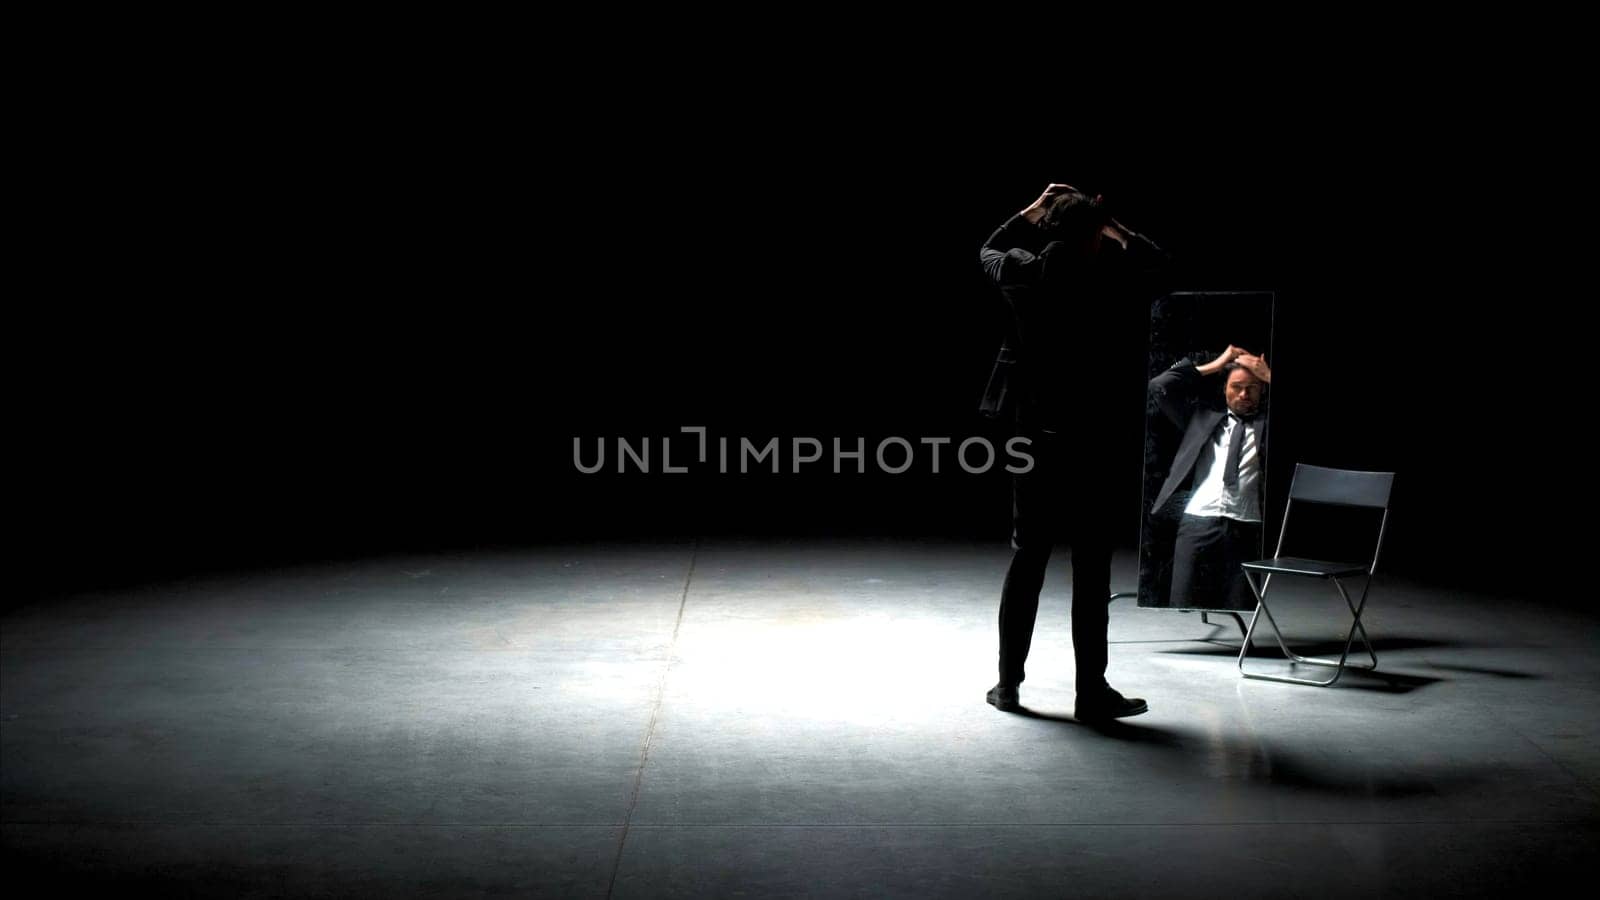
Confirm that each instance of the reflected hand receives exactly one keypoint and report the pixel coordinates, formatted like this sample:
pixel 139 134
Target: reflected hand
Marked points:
pixel 1229 355
pixel 1216 365
pixel 1257 366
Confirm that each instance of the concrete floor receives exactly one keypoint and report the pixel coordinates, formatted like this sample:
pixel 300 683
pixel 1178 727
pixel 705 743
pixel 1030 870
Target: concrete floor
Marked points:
pixel 776 718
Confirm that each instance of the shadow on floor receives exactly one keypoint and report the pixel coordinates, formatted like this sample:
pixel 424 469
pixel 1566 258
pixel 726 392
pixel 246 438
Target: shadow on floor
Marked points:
pixel 1275 768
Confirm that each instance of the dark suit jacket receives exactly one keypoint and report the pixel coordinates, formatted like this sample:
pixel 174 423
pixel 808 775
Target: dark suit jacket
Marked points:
pixel 1067 311
pixel 1179 392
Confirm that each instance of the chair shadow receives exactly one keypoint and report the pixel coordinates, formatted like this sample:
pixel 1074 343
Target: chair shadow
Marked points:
pixel 1276 768
pixel 1480 670
pixel 1375 680
pixel 1266 647
pixel 1354 677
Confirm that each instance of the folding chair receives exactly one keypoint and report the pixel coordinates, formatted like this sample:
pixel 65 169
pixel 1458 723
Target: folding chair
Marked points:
pixel 1339 487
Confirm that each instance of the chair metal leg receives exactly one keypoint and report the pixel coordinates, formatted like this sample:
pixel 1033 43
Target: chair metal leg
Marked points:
pixel 1338 665
pixel 1355 626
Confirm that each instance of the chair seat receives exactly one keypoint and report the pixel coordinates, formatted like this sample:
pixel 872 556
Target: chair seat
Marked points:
pixel 1317 568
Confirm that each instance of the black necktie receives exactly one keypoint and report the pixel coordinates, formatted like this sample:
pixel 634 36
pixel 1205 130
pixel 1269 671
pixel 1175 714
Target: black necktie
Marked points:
pixel 1230 469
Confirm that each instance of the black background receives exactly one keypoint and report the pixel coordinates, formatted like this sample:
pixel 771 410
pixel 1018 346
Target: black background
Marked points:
pixel 287 323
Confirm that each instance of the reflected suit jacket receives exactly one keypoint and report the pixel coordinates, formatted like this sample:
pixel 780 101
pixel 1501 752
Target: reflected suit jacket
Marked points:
pixel 1178 393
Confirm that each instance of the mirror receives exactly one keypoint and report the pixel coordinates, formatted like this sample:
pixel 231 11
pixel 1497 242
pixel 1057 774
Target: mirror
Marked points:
pixel 1205 449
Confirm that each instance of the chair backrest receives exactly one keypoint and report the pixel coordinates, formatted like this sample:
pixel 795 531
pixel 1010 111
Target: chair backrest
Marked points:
pixel 1346 487
pixel 1340 487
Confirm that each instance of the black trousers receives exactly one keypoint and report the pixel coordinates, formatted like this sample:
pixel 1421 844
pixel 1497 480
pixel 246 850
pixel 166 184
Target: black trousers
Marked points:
pixel 1064 498
pixel 1206 556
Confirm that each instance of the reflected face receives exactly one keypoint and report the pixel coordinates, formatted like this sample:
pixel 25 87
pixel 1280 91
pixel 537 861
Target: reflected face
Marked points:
pixel 1242 393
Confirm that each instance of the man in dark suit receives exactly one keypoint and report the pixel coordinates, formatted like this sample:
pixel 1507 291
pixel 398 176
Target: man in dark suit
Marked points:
pixel 1064 267
pixel 1221 462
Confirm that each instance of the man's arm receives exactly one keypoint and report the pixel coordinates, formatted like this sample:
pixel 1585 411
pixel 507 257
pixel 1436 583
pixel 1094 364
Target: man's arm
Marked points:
pixel 1006 256
pixel 1146 266
pixel 1221 362
pixel 1177 390
pixel 1011 255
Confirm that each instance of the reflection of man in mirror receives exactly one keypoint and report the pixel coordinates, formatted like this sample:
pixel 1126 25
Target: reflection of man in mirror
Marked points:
pixel 1220 460
pixel 1060 264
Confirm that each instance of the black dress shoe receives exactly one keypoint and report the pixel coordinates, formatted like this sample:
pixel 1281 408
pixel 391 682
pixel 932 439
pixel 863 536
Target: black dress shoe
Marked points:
pixel 1004 698
pixel 1105 704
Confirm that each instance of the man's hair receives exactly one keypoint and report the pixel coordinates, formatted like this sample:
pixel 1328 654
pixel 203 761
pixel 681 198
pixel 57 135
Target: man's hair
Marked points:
pixel 1074 216
pixel 1228 370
